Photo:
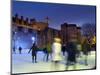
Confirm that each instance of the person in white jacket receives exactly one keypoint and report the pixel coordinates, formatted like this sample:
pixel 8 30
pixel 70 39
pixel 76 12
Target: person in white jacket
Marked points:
pixel 56 51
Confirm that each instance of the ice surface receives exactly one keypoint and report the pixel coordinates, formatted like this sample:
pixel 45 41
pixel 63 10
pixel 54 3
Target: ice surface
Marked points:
pixel 22 63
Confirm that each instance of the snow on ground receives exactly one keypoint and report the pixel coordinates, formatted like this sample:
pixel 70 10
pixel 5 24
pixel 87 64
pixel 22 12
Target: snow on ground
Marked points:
pixel 22 63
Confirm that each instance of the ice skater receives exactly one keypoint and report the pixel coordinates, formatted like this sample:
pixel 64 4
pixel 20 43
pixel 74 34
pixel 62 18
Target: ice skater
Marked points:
pixel 20 50
pixel 47 50
pixel 45 58
pixel 56 52
pixel 34 53
pixel 64 49
pixel 71 55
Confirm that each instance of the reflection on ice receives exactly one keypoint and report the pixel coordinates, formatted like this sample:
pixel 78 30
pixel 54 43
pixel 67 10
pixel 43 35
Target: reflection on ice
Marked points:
pixel 21 63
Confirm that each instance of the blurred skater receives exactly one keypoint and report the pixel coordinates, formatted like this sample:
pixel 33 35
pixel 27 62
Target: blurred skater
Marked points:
pixel 34 53
pixel 20 50
pixel 64 49
pixel 71 55
pixel 56 52
pixel 47 51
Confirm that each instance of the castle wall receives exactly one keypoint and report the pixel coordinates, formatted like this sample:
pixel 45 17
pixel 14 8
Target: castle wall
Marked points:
pixel 43 34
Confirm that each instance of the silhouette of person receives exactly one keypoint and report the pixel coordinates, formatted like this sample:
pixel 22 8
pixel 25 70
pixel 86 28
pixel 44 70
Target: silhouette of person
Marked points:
pixel 34 53
pixel 20 50
pixel 71 55
pixel 46 53
pixel 56 52
pixel 64 49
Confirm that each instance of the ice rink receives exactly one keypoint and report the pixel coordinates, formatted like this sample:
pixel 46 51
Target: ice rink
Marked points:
pixel 22 63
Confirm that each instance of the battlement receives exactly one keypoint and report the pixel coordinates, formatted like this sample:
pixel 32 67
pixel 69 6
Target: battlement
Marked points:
pixel 28 23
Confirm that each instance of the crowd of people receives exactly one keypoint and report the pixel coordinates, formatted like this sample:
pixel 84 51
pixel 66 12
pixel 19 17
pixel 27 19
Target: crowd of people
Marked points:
pixel 71 51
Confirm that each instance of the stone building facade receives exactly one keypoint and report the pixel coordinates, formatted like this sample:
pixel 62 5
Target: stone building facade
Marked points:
pixel 70 32
pixel 27 28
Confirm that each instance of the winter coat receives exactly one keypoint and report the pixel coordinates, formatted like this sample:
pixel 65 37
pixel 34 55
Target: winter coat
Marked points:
pixel 56 52
pixel 71 51
pixel 63 48
pixel 34 50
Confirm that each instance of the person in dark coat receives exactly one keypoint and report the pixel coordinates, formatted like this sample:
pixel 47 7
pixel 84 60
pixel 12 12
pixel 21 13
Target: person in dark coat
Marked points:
pixel 34 53
pixel 47 51
pixel 46 54
pixel 63 49
pixel 20 50
pixel 71 54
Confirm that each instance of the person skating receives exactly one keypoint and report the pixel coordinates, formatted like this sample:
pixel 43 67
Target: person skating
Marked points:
pixel 20 50
pixel 64 49
pixel 49 51
pixel 56 52
pixel 45 53
pixel 34 53
pixel 71 55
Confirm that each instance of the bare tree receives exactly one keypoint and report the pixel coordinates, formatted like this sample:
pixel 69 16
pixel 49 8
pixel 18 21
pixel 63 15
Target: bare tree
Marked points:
pixel 89 30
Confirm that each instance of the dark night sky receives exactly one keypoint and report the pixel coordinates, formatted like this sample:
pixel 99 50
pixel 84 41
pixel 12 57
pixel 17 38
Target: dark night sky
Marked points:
pixel 58 13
